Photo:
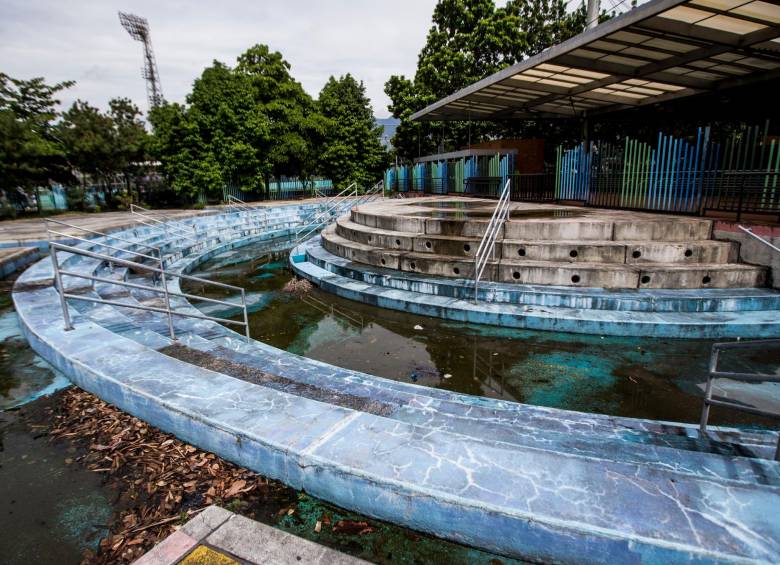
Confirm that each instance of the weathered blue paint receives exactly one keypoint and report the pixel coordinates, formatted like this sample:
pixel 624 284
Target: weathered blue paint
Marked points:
pixel 547 484
pixel 708 313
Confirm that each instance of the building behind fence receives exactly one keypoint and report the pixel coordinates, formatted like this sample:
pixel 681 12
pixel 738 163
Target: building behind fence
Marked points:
pixel 698 174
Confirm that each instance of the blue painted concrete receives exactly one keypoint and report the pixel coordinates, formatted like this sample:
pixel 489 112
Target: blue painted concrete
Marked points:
pixel 547 484
pixel 621 313
pixel 642 300
pixel 18 261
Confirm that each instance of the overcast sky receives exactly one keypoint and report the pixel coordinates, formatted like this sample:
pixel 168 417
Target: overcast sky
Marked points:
pixel 82 40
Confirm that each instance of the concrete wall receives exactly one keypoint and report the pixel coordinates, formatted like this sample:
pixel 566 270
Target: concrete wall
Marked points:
pixel 752 250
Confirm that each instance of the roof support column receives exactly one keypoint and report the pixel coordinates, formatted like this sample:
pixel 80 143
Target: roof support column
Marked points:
pixel 592 18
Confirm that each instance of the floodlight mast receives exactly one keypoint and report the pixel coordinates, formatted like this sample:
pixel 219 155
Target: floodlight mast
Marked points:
pixel 138 28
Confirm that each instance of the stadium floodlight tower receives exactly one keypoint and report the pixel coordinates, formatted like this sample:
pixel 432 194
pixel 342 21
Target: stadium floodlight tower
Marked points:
pixel 138 28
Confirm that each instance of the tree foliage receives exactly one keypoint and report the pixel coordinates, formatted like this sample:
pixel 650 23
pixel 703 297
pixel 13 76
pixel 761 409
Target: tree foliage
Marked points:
pixel 351 150
pixel 469 40
pixel 103 147
pixel 30 152
pixel 240 126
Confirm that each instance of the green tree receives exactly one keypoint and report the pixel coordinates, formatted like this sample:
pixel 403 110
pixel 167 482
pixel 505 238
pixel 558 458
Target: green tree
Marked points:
pixel 240 126
pixel 30 153
pixel 185 160
pixel 469 40
pixel 129 140
pixel 352 150
pixel 87 139
pixel 104 147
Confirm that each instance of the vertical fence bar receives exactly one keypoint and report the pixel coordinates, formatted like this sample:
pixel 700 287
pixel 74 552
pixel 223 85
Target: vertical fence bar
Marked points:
pixel 164 283
pixel 705 410
pixel 246 314
pixel 60 288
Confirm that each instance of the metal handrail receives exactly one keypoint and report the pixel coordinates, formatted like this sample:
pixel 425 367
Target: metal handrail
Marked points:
pixel 235 202
pixel 759 238
pixel 107 246
pixel 166 225
pixel 155 213
pixel 99 233
pixel 58 273
pixel 713 373
pixel 165 228
pixel 319 219
pixel 371 194
pixel 487 245
pixel 315 225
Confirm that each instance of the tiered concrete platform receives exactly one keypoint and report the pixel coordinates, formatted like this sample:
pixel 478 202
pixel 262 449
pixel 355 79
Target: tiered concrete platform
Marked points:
pixel 556 268
pixel 542 244
pixel 543 484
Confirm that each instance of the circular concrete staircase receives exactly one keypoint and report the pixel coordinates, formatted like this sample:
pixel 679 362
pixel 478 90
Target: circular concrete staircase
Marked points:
pixel 526 481
pixel 542 245
pixel 552 268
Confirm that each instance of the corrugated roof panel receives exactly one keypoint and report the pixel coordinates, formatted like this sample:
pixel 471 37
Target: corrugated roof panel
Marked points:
pixel 661 50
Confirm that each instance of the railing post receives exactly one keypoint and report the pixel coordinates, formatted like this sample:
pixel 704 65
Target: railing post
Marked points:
pixel 246 314
pixel 705 409
pixel 167 297
pixel 741 196
pixel 59 288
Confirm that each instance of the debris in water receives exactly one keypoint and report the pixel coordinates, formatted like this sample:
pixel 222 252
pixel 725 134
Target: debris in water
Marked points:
pixel 298 287
pixel 447 376
pixel 352 527
pixel 418 327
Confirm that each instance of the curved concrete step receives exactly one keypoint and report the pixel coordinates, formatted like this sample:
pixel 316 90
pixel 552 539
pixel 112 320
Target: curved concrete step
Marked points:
pixel 671 449
pixel 647 300
pixel 548 318
pixel 447 482
pixel 558 503
pixel 534 222
pixel 575 251
pixel 601 275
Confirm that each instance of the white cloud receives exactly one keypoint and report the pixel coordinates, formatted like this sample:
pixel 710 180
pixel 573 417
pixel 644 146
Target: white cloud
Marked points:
pixel 82 40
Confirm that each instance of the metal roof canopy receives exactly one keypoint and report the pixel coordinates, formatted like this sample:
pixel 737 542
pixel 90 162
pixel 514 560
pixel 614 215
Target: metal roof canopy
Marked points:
pixel 662 50
pixel 465 153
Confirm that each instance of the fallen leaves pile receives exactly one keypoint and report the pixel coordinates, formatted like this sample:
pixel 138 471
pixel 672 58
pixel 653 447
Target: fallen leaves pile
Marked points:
pixel 298 287
pixel 162 481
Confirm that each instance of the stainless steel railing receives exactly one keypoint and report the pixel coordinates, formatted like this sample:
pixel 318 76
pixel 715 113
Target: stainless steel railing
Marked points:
pixel 163 289
pixel 49 231
pixel 372 194
pixel 759 238
pixel 152 219
pixel 711 400
pixel 487 246
pixel 338 209
pixel 235 203
pixel 324 217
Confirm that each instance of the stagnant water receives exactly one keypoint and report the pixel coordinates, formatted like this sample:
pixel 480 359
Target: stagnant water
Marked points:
pixel 638 377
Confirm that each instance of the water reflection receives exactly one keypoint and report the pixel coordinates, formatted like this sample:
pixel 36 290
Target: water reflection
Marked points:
pixel 638 377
